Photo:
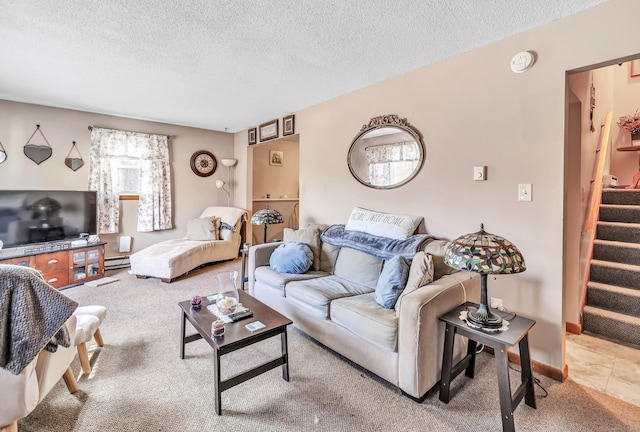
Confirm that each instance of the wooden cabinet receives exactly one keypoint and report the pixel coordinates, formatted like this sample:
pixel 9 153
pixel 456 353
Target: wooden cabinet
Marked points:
pixel 54 267
pixel 67 267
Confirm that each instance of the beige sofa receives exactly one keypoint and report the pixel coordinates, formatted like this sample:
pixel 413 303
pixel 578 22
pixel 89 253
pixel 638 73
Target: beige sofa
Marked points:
pixel 335 305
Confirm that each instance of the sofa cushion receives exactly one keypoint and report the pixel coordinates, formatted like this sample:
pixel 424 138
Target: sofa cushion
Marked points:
pixel 394 226
pixel 420 274
pixel 358 267
pixel 315 296
pixel 363 316
pixel 291 257
pixel 310 237
pixel 205 228
pixel 268 276
pixel 328 253
pixel 392 281
pixel 436 249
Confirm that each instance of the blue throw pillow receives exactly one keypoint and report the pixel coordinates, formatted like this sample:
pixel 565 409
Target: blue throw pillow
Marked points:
pixel 392 281
pixel 292 257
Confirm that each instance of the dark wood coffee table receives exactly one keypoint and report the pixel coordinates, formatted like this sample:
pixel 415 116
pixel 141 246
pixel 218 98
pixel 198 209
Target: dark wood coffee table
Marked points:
pixel 236 336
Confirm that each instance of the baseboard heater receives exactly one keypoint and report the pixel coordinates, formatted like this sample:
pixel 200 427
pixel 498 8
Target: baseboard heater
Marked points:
pixel 116 262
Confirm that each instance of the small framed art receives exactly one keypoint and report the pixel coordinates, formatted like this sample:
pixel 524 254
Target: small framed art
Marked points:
pixel 635 68
pixel 275 157
pixel 269 131
pixel 288 124
pixel 252 136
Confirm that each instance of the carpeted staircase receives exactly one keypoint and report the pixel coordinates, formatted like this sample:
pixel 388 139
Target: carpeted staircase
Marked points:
pixel 613 293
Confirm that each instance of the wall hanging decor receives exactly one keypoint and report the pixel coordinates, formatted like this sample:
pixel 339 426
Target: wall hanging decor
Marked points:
pixel 3 153
pixel 203 163
pixel 276 157
pixel 75 163
pixel 269 131
pixel 38 152
pixel 288 125
pixel 252 136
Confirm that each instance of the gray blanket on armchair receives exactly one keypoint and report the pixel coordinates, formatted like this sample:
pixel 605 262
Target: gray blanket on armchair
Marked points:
pixel 32 317
pixel 380 247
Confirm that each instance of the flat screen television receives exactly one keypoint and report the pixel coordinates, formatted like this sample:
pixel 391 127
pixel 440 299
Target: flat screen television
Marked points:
pixel 30 216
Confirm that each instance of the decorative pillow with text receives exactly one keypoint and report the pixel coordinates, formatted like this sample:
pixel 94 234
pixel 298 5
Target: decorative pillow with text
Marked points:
pixel 394 226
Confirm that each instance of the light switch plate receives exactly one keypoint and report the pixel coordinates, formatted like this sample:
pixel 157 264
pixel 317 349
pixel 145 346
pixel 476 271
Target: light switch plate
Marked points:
pixel 480 173
pixel 524 192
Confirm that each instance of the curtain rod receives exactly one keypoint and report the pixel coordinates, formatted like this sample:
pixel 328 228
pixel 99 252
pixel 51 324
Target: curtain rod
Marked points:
pixel 168 136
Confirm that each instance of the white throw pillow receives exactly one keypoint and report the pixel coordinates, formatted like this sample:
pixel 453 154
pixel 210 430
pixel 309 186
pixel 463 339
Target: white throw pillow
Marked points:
pixel 205 228
pixel 394 226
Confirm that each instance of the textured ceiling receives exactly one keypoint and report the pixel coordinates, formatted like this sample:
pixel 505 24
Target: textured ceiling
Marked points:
pixel 230 65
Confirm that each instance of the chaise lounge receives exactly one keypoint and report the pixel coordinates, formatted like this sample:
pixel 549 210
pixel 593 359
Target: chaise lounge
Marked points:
pixel 214 236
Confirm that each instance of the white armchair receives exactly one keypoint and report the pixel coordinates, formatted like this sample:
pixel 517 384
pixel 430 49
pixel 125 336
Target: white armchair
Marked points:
pixel 31 313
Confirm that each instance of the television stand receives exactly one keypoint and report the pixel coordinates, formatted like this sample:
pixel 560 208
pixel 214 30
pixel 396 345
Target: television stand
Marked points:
pixel 62 265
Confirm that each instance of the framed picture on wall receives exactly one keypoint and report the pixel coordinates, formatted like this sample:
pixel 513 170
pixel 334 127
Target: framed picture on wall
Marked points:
pixel 288 125
pixel 276 157
pixel 252 136
pixel 635 68
pixel 269 131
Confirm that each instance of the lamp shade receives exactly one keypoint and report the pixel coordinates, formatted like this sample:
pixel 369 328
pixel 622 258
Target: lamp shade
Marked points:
pixel 219 184
pixel 266 217
pixel 484 253
pixel 228 162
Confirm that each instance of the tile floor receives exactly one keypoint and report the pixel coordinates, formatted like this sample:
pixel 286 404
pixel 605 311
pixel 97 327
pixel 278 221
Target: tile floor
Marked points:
pixel 605 366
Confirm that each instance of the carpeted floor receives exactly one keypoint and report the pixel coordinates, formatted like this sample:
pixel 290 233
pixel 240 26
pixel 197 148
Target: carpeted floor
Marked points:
pixel 139 382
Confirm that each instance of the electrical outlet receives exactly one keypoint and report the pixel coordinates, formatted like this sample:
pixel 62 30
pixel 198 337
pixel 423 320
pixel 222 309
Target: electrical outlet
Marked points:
pixel 496 303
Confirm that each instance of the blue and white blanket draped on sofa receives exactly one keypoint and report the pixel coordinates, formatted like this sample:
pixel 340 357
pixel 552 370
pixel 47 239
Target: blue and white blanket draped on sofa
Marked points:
pixel 380 247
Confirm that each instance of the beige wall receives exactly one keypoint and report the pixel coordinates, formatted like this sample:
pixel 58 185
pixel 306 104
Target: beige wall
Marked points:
pixel 472 110
pixel 190 193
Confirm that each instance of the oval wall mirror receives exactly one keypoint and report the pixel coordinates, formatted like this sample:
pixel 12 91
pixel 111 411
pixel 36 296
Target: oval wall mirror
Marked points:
pixel 386 153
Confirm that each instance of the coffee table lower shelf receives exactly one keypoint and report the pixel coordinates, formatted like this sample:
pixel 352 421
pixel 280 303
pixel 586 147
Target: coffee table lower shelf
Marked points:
pixel 236 337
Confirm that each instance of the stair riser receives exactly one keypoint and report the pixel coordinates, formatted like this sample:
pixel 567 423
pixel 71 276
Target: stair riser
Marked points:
pixel 616 254
pixel 615 276
pixel 616 302
pixel 621 197
pixel 623 234
pixel 627 214
pixel 610 328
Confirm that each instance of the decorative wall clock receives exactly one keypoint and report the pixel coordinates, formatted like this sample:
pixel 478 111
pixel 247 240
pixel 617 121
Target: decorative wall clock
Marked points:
pixel 203 163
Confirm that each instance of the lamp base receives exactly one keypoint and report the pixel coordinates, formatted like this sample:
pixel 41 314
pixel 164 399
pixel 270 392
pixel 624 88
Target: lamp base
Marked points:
pixel 484 319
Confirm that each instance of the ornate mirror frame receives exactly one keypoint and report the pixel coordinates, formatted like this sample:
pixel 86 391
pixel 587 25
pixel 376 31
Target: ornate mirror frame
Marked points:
pixel 382 125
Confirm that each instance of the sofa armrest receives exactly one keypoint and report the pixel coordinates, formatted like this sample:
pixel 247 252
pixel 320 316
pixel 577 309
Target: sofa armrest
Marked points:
pixel 421 333
pixel 259 255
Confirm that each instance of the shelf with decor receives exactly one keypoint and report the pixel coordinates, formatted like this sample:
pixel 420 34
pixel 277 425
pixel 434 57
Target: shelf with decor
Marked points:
pixel 274 199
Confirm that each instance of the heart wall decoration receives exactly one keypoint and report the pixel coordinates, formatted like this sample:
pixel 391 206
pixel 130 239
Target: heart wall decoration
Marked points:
pixel 38 152
pixel 3 154
pixel 75 163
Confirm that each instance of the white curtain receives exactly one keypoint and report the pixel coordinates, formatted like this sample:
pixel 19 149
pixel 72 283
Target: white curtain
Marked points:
pixel 108 148
pixel 391 163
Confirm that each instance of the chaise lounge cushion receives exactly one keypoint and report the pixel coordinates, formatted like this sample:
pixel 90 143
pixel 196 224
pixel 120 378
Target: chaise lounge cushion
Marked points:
pixel 205 228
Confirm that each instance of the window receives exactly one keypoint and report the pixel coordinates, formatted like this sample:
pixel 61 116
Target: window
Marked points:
pixel 392 163
pixel 129 164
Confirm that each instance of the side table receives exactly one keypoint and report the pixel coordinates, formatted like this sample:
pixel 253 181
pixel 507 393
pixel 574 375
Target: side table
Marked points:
pixel 244 279
pixel 518 332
